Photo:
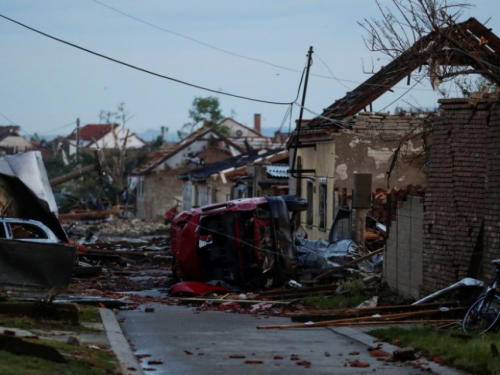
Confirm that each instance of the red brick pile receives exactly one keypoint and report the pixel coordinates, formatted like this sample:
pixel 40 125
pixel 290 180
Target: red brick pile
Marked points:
pixel 379 201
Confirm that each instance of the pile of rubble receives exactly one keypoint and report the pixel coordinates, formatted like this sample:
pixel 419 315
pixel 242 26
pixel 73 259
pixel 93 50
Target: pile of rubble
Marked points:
pixel 379 203
pixel 119 228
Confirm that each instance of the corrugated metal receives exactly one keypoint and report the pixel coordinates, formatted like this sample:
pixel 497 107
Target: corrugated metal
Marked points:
pixel 277 170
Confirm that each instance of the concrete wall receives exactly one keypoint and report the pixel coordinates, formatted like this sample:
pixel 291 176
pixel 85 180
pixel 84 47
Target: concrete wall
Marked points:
pixel 158 194
pixel 403 257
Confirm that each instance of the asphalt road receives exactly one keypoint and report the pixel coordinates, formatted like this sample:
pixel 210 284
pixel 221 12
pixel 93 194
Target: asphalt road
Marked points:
pixel 192 343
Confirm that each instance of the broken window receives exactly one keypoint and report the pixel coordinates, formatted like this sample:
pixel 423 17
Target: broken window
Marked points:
pixel 21 231
pixel 322 204
pixel 310 207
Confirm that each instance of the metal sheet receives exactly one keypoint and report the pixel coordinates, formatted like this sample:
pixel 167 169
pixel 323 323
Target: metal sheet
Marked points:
pixel 36 264
pixel 29 168
pixel 24 179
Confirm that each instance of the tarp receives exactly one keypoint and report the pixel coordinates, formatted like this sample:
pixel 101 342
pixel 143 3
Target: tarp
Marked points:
pixel 36 264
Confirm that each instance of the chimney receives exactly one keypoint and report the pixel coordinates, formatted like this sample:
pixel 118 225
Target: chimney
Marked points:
pixel 256 122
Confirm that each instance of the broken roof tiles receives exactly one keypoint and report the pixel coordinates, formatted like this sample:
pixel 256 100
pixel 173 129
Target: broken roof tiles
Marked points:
pixel 467 36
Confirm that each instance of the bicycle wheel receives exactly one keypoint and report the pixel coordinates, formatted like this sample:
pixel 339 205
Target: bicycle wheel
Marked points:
pixel 482 315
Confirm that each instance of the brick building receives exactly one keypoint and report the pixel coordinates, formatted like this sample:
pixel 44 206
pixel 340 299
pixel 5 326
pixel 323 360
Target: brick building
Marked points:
pixel 462 202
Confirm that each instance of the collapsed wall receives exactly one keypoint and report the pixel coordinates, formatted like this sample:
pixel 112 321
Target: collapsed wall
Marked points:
pixel 462 200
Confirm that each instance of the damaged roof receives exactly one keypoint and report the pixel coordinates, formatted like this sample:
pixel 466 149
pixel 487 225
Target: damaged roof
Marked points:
pixel 228 165
pixel 161 156
pixel 93 132
pixel 9 131
pixel 471 35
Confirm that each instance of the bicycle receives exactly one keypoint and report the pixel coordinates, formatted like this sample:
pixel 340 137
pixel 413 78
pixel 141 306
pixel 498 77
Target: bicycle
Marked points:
pixel 484 314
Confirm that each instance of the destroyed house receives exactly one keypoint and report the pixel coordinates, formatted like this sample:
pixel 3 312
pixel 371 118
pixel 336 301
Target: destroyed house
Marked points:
pixel 347 138
pixel 245 136
pixel 215 182
pixel 11 142
pixel 103 136
pixel 158 189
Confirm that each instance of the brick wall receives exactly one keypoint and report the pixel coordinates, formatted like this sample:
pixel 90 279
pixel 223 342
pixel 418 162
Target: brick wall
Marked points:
pixel 403 255
pixel 461 222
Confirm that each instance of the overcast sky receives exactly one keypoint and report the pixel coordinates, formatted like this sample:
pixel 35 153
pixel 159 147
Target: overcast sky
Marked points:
pixel 45 85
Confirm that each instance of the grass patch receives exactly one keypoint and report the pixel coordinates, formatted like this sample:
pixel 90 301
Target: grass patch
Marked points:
pixel 85 361
pixel 89 314
pixel 470 353
pixel 354 292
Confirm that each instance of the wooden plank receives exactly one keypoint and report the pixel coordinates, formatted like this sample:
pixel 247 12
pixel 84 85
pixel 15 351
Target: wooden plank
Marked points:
pixel 218 301
pixel 299 290
pixel 387 317
pixel 289 296
pixel 446 321
pixel 372 310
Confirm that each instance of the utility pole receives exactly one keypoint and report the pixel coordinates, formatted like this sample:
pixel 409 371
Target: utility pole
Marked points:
pixel 296 145
pixel 77 139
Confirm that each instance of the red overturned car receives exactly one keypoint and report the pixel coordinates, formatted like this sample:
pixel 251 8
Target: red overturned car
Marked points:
pixel 246 243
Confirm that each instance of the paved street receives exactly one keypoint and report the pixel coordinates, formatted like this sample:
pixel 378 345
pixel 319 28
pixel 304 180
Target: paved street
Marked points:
pixel 202 343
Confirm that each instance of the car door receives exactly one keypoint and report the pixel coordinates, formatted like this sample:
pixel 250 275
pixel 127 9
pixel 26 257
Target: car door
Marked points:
pixel 21 231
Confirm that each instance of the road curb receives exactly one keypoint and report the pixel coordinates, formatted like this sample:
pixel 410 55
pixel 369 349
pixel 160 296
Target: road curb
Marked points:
pixel 363 338
pixel 119 344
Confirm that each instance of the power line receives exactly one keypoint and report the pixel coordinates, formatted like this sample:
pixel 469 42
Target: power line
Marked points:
pixel 195 40
pixel 60 127
pixel 13 124
pixel 144 70
pixel 335 78
pixel 339 80
pixel 8 119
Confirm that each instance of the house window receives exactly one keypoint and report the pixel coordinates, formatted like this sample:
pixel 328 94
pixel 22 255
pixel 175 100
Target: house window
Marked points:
pixel 322 205
pixel 310 207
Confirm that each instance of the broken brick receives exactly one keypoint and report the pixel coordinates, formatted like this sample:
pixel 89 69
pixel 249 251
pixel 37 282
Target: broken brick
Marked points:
pixel 404 354
pixel 358 363
pixel 379 353
pixel 156 362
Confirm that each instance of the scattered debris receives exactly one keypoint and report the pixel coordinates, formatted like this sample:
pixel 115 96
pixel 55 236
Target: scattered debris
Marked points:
pixel 404 354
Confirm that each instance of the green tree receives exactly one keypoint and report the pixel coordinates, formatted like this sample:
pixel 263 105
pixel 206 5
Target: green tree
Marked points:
pixel 204 111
